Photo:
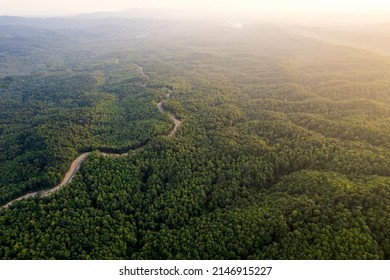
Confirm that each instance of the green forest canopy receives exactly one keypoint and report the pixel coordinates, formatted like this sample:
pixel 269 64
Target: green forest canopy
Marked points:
pixel 284 150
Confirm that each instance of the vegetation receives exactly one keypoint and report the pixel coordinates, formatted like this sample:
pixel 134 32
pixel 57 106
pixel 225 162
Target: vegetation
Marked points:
pixel 283 153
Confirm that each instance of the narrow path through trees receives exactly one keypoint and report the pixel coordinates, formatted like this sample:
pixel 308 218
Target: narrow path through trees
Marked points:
pixel 77 162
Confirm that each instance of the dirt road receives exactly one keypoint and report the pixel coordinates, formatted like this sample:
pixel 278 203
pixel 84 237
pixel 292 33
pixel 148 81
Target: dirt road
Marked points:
pixel 68 177
pixel 77 162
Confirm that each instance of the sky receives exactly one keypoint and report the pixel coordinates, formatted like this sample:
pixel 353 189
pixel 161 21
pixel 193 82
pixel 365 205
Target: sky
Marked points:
pixel 309 10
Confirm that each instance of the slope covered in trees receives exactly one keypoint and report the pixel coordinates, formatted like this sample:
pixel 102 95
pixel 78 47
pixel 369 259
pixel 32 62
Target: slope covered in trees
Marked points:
pixel 283 152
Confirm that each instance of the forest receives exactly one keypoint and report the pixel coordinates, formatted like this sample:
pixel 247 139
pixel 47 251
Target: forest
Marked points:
pixel 283 151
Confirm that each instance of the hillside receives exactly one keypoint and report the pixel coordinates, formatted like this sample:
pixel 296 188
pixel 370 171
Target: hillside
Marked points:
pixel 283 150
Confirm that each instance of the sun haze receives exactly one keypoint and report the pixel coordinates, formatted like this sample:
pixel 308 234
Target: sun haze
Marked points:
pixel 356 11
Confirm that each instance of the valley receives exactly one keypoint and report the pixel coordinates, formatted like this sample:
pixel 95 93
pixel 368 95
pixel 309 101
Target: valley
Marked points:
pixel 198 141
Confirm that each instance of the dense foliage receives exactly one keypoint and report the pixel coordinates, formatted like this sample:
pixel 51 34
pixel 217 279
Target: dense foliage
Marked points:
pixel 283 153
pixel 46 119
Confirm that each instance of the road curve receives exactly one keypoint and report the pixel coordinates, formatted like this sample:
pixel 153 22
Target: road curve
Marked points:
pixel 171 116
pixel 68 177
pixel 77 162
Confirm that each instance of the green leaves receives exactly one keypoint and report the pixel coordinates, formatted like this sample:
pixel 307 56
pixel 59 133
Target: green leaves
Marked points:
pixel 282 154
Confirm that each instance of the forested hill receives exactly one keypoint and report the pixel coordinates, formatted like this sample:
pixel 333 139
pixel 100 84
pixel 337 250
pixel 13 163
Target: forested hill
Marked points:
pixel 283 151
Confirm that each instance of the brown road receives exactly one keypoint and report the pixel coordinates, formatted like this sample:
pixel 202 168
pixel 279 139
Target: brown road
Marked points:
pixel 68 177
pixel 77 162
pixel 171 116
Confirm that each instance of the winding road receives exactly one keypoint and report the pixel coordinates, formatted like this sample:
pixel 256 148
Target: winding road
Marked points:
pixel 77 162
pixel 172 117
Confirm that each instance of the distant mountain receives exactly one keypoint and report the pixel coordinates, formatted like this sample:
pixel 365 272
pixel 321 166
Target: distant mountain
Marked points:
pixel 93 19
pixel 373 37
pixel 47 23
pixel 137 13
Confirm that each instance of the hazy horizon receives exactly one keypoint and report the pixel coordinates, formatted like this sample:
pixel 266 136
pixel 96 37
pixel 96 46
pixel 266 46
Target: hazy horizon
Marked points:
pixel 299 11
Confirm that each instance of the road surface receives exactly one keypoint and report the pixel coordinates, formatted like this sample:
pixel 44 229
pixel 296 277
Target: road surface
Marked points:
pixel 77 162
pixel 68 177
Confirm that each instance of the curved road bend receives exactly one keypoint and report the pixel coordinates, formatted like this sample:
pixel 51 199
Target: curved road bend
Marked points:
pixel 172 117
pixel 77 162
pixel 68 177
